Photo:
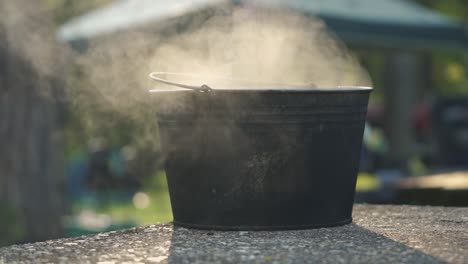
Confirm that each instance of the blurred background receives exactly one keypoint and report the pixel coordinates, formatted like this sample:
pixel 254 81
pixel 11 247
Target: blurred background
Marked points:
pixel 76 160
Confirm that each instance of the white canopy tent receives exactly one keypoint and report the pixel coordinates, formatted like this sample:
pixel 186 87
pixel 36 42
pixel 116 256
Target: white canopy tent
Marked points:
pixel 381 23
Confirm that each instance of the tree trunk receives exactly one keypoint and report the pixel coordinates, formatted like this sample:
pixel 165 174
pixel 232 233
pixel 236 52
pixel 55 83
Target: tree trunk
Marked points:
pixel 31 167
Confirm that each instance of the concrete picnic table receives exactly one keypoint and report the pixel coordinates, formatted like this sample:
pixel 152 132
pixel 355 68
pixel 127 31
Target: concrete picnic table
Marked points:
pixel 379 234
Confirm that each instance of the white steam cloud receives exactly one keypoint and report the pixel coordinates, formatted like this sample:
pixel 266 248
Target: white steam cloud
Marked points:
pixel 263 47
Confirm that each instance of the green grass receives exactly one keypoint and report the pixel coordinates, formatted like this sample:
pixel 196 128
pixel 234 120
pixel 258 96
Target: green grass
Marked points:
pixel 121 209
pixel 367 183
pixel 124 211
pixel 158 210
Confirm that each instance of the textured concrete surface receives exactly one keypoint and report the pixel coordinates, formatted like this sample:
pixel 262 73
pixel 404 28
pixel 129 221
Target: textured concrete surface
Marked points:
pixel 379 234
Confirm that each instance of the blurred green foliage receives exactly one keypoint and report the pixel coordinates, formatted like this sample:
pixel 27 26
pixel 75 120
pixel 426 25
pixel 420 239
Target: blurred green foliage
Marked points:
pixel 454 8
pixel 63 10
pixel 450 69
pixel 10 231
pixel 90 117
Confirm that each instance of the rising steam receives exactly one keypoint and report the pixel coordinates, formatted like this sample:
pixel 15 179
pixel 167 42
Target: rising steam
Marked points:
pixel 268 47
pixel 265 47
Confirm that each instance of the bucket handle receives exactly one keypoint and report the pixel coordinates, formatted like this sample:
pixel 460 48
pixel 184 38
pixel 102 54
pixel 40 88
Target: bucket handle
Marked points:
pixel 205 88
pixel 156 76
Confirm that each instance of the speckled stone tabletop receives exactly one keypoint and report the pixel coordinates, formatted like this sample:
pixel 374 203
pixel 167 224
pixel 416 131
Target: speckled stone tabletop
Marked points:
pixel 379 234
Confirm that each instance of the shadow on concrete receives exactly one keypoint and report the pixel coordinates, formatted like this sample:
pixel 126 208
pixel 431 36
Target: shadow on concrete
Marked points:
pixel 346 244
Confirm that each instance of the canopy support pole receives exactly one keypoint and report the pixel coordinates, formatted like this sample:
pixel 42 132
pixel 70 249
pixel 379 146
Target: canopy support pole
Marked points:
pixel 403 85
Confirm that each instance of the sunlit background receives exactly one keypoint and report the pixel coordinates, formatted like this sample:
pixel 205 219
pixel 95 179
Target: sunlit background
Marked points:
pixel 79 147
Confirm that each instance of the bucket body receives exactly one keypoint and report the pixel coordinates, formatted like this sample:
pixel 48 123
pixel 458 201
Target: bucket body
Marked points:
pixel 262 159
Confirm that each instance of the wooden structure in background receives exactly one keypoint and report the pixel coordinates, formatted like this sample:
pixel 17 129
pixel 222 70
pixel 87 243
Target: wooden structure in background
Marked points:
pixel 31 153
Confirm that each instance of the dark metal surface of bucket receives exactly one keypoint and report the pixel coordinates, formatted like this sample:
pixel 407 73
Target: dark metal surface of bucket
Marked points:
pixel 262 159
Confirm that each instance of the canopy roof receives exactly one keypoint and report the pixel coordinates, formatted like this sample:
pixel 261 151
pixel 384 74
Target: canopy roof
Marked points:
pixel 381 23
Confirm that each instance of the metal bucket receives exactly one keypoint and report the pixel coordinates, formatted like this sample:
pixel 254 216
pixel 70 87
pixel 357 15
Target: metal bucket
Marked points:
pixel 262 159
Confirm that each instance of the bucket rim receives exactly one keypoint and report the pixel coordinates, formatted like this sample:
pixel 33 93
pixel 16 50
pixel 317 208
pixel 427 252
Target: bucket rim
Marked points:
pixel 262 87
pixel 338 89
